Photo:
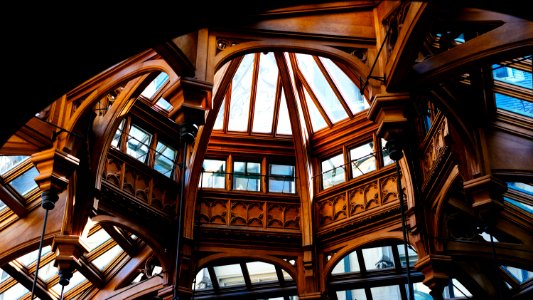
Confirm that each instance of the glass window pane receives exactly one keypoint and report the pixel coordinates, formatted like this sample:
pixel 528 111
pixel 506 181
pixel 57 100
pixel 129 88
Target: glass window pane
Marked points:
pixel 378 258
pixel 413 256
pixel 362 159
pixel 521 187
pixel 349 91
pixel 203 280
pixel 515 105
pixel 512 76
pixel 348 264
pixel 241 87
pixel 284 122
pixel 521 205
pixel 8 162
pixel 138 143
pixel 358 294
pixel 14 292
pixel 164 104
pixel 229 275
pixel 2 205
pixel 165 157
pixel 214 174
pixel 116 138
pixel 266 93
pixel 25 182
pixel 76 279
pixel 261 272
pixel 247 176
pixel 333 171
pixel 386 292
pixel 155 85
pixel 281 179
pixel 386 158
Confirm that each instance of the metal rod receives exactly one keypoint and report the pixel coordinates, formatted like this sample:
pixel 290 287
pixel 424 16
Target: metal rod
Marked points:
pixel 376 60
pixel 39 254
pixel 180 220
pixel 404 230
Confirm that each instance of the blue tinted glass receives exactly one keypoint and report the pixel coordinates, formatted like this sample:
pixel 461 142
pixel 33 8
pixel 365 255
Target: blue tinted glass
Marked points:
pixel 515 105
pixel 25 182
pixel 512 76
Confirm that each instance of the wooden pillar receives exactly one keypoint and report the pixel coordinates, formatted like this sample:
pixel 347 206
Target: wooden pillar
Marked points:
pixel 391 112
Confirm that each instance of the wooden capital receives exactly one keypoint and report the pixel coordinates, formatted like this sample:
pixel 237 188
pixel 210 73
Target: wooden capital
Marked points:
pixel 435 270
pixel 486 193
pixel 55 167
pixel 68 249
pixel 390 111
pixel 193 98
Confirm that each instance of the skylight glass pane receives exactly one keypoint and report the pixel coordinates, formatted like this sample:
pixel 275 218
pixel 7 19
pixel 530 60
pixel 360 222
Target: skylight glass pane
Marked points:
pixel 25 182
pixel 362 159
pixel 14 292
pixel 317 121
pixel 2 205
pixel 284 122
pixel 265 94
pixel 521 187
pixel 102 261
pixel 8 162
pixel 47 271
pixel 378 258
pixel 512 76
pixel 519 204
pixel 164 104
pixel 347 264
pixel 219 122
pixel 138 143
pixel 155 85
pixel 229 275
pixel 349 91
pixel 261 272
pixel 519 274
pixel 321 88
pixel 458 290
pixel 515 105
pixel 96 239
pixel 333 171
pixel 3 276
pixel 29 258
pixel 164 159
pixel 214 173
pixel 241 87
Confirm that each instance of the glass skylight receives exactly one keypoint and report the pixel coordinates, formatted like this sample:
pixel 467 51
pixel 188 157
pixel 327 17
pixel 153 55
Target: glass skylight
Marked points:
pixel 8 162
pixel 25 182
pixel 155 85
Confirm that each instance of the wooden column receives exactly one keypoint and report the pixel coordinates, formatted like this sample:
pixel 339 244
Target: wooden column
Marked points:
pixel 391 112
pixel 486 193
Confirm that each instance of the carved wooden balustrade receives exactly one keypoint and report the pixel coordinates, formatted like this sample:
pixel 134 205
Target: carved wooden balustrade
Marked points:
pixel 434 149
pixel 143 186
pixel 261 213
pixel 362 198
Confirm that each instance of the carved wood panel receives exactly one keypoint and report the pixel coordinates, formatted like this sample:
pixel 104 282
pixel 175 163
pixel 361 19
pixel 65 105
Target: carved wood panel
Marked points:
pixel 249 213
pixel 365 196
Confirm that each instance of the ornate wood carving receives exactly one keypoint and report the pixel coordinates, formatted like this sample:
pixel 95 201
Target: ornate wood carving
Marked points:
pixel 367 195
pixel 140 183
pixel 251 214
pixel 434 150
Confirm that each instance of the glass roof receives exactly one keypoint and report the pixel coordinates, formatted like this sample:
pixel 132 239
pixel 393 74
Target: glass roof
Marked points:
pixel 256 101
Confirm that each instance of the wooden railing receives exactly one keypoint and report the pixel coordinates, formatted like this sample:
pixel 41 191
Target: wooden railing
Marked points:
pixel 141 183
